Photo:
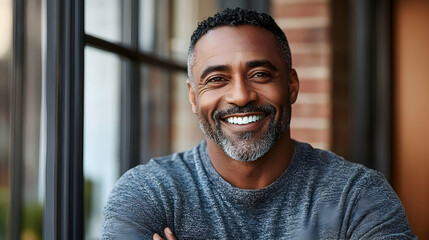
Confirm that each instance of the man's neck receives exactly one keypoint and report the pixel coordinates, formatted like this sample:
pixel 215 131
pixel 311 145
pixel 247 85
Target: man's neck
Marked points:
pixel 256 174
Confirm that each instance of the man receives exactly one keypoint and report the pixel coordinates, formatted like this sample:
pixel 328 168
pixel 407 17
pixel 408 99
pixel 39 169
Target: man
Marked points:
pixel 248 179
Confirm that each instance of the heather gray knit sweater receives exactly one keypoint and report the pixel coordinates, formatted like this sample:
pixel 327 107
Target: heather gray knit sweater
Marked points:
pixel 319 196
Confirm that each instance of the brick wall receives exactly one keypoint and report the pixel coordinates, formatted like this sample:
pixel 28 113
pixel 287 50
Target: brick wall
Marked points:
pixel 306 24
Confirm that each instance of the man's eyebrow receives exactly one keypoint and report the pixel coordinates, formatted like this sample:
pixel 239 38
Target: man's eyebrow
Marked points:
pixel 215 68
pixel 260 63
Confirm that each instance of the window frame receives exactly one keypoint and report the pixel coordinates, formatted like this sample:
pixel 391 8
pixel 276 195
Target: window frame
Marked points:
pixel 63 206
pixel 362 84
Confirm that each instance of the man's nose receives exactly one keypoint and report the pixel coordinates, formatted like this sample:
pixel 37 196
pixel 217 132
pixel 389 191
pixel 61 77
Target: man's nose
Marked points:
pixel 240 93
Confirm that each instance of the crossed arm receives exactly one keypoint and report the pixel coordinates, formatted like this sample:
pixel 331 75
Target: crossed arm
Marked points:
pixel 168 234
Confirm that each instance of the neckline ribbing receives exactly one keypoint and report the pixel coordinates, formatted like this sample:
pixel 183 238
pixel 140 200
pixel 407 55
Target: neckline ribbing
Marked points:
pixel 244 196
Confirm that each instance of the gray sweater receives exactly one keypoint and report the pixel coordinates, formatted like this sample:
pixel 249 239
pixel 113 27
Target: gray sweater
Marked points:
pixel 319 196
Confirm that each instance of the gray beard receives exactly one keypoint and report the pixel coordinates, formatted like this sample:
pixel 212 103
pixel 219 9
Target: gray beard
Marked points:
pixel 242 148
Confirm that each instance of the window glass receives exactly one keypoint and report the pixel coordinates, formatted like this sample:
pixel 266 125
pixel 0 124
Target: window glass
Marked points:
pixel 102 113
pixel 5 66
pixel 185 131
pixel 147 25
pixel 154 25
pixel 155 114
pixel 103 19
pixel 33 167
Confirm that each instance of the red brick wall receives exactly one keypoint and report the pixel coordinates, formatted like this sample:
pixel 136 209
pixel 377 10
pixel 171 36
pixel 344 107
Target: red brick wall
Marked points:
pixel 306 24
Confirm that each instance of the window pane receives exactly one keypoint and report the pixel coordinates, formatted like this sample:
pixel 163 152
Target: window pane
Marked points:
pixel 103 19
pixel 185 127
pixel 33 168
pixel 155 118
pixel 102 101
pixel 147 25
pixel 154 27
pixel 5 66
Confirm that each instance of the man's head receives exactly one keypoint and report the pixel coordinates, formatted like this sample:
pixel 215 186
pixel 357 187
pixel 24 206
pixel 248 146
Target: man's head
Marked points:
pixel 243 85
pixel 237 17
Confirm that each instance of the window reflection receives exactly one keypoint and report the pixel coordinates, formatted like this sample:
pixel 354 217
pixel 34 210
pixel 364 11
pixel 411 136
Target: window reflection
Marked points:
pixel 101 133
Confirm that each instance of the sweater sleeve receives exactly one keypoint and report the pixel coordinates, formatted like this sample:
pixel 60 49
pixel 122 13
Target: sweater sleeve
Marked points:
pixel 377 212
pixel 131 211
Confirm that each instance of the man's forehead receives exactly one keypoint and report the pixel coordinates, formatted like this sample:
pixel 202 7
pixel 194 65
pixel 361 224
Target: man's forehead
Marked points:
pixel 226 43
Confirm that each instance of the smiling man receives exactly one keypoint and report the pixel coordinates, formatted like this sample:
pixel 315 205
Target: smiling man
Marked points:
pixel 248 179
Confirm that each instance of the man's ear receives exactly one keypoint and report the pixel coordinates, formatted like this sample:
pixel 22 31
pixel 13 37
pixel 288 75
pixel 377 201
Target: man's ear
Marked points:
pixel 191 92
pixel 293 86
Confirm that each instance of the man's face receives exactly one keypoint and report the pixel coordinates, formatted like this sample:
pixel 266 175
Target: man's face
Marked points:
pixel 241 94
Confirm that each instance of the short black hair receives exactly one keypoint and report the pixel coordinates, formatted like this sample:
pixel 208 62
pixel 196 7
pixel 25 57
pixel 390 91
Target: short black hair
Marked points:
pixel 236 17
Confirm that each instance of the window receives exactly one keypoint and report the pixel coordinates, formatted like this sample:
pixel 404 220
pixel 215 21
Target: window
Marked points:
pixel 130 85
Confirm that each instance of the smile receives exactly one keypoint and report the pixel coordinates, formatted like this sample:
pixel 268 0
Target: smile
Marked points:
pixel 244 120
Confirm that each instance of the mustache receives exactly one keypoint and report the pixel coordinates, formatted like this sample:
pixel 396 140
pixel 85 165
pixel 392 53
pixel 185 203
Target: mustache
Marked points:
pixel 269 109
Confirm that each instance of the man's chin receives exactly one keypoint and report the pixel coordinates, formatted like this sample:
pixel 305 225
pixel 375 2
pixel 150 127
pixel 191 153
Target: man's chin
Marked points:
pixel 245 147
pixel 244 153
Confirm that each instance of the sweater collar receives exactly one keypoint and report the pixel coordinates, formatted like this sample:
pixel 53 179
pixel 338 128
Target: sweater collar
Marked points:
pixel 246 196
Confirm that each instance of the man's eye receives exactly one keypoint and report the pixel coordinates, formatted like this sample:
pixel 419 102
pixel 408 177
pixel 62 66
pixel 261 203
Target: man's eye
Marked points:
pixel 261 75
pixel 216 80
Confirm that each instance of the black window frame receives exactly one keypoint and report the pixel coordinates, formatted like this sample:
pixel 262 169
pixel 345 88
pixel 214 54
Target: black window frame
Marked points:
pixel 362 87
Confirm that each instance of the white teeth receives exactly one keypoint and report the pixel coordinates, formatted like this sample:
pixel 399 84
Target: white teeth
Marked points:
pixel 244 120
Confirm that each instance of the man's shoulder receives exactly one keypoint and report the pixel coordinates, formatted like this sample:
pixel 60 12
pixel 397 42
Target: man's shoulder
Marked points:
pixel 362 197
pixel 334 168
pixel 176 164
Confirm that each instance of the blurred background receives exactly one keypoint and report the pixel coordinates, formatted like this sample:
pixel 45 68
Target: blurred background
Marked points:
pixel 91 88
